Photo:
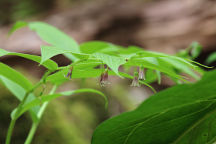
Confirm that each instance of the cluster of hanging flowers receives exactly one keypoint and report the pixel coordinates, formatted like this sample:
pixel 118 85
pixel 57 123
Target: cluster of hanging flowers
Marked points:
pixel 138 75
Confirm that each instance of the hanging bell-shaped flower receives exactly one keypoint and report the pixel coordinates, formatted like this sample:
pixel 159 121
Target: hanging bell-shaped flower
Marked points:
pixel 135 82
pixel 104 78
pixel 141 71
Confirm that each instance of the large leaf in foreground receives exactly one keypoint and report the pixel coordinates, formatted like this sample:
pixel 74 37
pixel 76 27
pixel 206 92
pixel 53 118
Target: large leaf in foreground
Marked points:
pixel 181 114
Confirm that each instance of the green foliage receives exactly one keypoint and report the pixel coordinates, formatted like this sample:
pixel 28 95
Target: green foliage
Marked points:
pixel 53 36
pixel 96 46
pixel 181 114
pixel 15 76
pixel 112 61
pixel 195 49
pixel 17 25
pixel 112 55
pixel 211 58
pixel 97 59
pixel 192 51
pixel 49 64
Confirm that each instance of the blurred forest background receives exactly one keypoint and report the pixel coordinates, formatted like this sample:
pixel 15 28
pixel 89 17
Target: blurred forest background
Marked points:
pixel 159 25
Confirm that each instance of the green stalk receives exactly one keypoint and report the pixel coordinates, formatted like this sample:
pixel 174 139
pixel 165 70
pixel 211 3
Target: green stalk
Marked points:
pixel 13 121
pixel 19 108
pixel 35 124
pixel 10 130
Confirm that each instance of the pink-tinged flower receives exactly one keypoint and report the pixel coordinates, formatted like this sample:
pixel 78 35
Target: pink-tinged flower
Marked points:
pixel 69 74
pixel 141 73
pixel 104 78
pixel 135 82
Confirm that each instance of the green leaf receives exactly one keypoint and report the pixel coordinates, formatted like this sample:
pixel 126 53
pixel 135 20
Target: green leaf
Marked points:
pixel 195 49
pixel 179 65
pixel 97 46
pixel 49 51
pixel 19 93
pixel 155 63
pixel 181 114
pixel 60 77
pixel 15 76
pixel 112 61
pixel 83 70
pixel 211 58
pixel 17 26
pixel 46 98
pixel 49 64
pixel 18 85
pixel 55 37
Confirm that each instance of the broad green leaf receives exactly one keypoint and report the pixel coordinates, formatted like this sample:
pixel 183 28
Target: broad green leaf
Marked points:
pixel 165 63
pixel 15 89
pixel 211 58
pixel 46 98
pixel 97 46
pixel 17 26
pixel 130 50
pixel 78 72
pixel 15 76
pixel 81 69
pixel 151 76
pixel 49 51
pixel 60 76
pixel 143 54
pixel 55 37
pixel 18 85
pixel 112 61
pixel 179 65
pixel 19 93
pixel 49 64
pixel 179 115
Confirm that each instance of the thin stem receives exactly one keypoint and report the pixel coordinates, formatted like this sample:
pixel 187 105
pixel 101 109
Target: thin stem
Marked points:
pixel 35 124
pixel 31 133
pixel 19 108
pixel 13 121
pixel 10 130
